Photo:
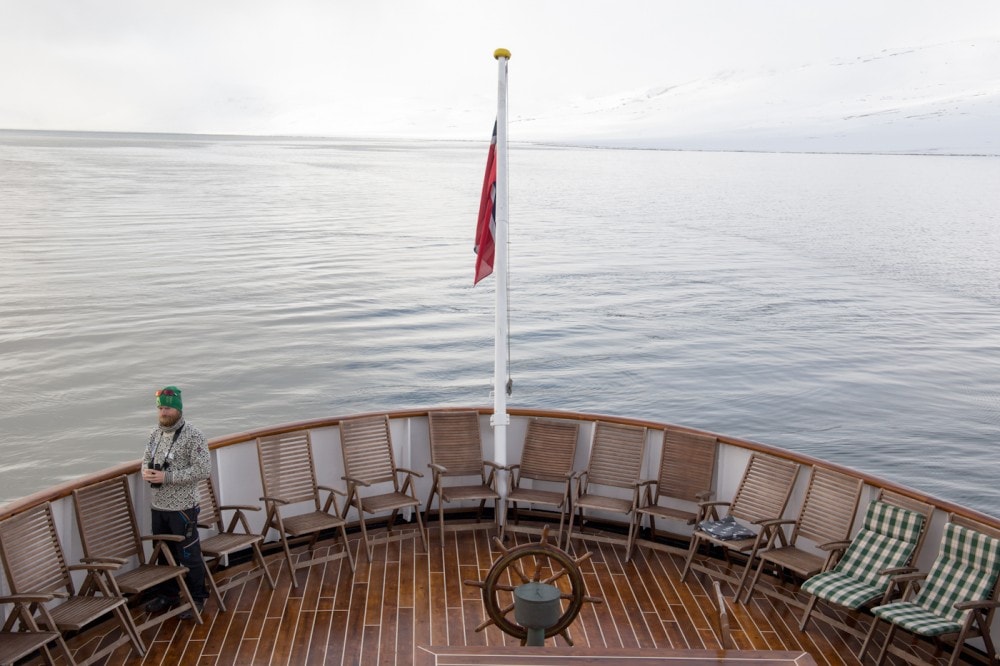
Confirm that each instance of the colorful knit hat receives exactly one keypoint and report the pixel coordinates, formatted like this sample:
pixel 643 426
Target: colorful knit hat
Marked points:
pixel 169 396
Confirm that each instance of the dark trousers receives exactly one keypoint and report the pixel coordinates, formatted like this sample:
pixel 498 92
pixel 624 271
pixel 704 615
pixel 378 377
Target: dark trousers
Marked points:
pixel 186 553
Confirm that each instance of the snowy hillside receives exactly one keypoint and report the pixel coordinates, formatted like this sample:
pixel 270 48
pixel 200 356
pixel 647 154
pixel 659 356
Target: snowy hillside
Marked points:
pixel 940 99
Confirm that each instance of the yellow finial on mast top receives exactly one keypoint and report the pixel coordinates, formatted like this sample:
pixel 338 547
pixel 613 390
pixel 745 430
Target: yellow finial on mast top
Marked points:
pixel 501 53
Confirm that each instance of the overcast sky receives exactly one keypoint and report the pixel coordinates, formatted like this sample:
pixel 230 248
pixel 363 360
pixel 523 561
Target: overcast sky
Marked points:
pixel 410 68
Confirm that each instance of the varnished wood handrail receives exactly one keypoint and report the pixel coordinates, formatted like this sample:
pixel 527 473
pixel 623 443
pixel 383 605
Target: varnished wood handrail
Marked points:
pixel 64 490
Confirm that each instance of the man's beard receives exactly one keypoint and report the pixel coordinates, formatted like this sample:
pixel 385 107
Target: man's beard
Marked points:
pixel 170 420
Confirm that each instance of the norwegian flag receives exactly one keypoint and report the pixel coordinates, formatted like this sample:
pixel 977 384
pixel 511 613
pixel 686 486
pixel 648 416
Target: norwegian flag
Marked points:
pixel 486 227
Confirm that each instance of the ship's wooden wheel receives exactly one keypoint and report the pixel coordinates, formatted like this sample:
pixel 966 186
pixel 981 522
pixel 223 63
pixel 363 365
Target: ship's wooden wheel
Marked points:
pixel 547 564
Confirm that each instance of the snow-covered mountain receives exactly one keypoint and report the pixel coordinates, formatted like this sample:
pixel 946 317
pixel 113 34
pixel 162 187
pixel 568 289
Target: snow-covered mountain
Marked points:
pixel 939 99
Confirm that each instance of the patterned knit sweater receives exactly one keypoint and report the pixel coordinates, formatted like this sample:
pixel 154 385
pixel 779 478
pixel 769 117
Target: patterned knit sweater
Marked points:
pixel 188 462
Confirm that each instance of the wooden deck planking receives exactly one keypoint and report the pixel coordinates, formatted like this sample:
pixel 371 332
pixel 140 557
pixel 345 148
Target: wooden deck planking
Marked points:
pixel 408 597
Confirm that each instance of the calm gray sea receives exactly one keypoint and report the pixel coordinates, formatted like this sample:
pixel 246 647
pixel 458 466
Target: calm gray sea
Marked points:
pixel 845 306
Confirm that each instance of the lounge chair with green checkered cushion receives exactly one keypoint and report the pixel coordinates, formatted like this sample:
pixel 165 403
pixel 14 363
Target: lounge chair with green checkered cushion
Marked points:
pixel 888 541
pixel 956 597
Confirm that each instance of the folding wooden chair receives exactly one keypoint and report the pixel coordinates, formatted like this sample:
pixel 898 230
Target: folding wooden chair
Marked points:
pixel 15 645
pixel 687 465
pixel 369 461
pixel 546 460
pixel 457 453
pixel 110 533
pixel 825 520
pixel 616 455
pixel 288 476
pixel 36 570
pixel 761 496
pixel 227 540
pixel 887 543
pixel 956 598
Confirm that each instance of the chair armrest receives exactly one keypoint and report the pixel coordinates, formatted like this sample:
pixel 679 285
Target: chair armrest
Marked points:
pixel 716 503
pixel 356 482
pixel 162 537
pixel 31 597
pixel 773 522
pixel 704 496
pixel 95 566
pixel 239 507
pixel 440 469
pixel 490 463
pixel 335 491
pixel 273 500
pixel 411 472
pixel 834 545
pixel 896 571
pixel 647 482
pixel 981 604
pixel 104 560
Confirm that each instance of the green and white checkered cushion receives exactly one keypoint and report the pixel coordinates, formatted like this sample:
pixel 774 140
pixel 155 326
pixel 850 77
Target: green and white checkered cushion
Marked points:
pixel 886 540
pixel 965 570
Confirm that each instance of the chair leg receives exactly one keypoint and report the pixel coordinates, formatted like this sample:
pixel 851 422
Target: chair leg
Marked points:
pixel 805 616
pixel 182 584
pixel 347 546
pixel 213 585
pixel 364 536
pixel 125 619
pixel 692 551
pixel 441 521
pixel 423 533
pixel 743 578
pixel 427 507
pixel 868 639
pixel 753 582
pixel 258 557
pixel 632 530
pixel 288 560
pixel 885 646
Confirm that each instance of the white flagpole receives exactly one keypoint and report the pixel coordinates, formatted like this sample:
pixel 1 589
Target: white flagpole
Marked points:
pixel 500 418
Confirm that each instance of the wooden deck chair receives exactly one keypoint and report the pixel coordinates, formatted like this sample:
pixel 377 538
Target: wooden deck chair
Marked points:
pixel 547 458
pixel 109 531
pixel 825 520
pixel 761 496
pixel 288 477
pixel 226 540
pixel 687 465
pixel 956 598
pixel 15 645
pixel 368 461
pixel 457 452
pixel 35 568
pixel 888 541
pixel 616 455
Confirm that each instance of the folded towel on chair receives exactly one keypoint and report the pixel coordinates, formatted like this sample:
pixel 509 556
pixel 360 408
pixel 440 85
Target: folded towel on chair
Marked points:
pixel 726 529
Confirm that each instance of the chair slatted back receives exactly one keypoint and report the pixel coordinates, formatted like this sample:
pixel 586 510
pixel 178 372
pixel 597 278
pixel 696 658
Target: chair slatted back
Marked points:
pixel 966 569
pixel 32 556
pixel 765 488
pixel 106 518
pixel 829 506
pixel 208 504
pixel 687 464
pixel 367 447
pixel 456 444
pixel 616 454
pixel 549 450
pixel 287 469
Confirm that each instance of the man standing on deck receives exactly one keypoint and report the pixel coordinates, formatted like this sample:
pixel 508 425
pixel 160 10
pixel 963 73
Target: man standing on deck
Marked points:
pixel 176 459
